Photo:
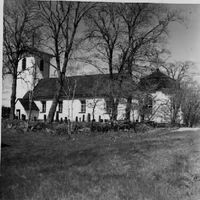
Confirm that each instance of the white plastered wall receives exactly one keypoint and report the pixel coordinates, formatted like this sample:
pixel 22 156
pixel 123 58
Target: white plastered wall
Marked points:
pixel 18 106
pixel 72 109
pixel 26 78
pixel 161 107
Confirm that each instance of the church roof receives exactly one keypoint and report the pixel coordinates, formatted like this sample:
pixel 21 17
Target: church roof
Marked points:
pixel 156 81
pixel 25 104
pixel 37 52
pixel 97 85
pixel 83 86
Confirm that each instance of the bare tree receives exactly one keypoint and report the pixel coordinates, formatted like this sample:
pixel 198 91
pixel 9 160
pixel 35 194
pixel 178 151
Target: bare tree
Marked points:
pixel 70 93
pixel 145 28
pixel 95 92
pixel 20 33
pixel 179 71
pixel 33 83
pixel 61 23
pixel 123 37
pixel 190 106
pixel 103 33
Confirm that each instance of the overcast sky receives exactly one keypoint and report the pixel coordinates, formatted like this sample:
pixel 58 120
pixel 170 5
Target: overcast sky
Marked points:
pixel 185 39
pixel 184 42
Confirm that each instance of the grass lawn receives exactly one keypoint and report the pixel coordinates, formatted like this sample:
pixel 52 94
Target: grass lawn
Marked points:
pixel 160 165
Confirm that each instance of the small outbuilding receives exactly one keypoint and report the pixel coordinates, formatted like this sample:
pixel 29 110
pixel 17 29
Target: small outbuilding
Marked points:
pixel 23 108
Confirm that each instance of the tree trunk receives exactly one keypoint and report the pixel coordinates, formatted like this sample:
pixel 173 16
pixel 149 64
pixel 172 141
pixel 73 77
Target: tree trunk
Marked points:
pixel 30 109
pixel 174 116
pixel 128 108
pixel 129 99
pixel 192 121
pixel 13 98
pixel 175 109
pixel 114 109
pixel 93 109
pixel 54 103
pixel 53 108
pixel 186 121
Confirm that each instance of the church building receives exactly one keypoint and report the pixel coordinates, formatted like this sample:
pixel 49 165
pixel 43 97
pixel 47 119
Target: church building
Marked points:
pixel 85 97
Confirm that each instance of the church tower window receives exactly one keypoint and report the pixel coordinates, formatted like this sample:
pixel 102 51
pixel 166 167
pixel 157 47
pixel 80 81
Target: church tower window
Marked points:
pixel 41 65
pixel 23 64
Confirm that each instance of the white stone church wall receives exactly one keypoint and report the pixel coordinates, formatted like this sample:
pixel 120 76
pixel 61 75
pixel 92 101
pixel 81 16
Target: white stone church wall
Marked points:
pixel 18 106
pixel 72 110
pixel 161 107
pixel 25 81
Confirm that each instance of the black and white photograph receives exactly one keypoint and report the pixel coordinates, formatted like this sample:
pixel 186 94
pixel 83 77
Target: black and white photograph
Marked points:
pixel 100 100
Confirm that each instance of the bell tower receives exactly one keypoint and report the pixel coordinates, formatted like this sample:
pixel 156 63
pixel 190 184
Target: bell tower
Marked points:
pixel 32 67
pixel 43 63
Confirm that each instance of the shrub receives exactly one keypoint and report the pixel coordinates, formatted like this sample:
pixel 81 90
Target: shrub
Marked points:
pixel 100 127
pixel 14 124
pixel 63 129
pixel 143 127
pixel 5 112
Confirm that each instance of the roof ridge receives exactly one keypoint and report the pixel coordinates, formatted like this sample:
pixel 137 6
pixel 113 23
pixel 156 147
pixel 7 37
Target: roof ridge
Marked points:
pixel 85 75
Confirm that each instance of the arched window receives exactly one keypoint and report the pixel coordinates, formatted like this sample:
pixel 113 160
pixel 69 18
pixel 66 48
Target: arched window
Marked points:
pixel 41 65
pixel 23 64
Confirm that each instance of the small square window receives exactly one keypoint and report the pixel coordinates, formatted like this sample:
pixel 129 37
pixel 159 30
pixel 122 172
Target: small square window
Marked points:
pixel 43 106
pixel 60 106
pixel 83 106
pixel 108 107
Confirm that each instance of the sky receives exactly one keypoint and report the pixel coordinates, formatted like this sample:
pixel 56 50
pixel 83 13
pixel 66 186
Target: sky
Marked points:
pixel 184 40
pixel 184 43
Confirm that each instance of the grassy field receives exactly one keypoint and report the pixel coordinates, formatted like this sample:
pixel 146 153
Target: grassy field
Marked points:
pixel 160 165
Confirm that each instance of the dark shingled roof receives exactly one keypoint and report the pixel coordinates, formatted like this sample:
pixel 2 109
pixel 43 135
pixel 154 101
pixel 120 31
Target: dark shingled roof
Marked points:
pixel 86 86
pixel 89 86
pixel 25 104
pixel 35 51
pixel 26 96
pixel 156 81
